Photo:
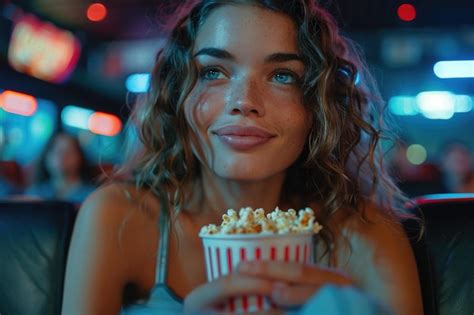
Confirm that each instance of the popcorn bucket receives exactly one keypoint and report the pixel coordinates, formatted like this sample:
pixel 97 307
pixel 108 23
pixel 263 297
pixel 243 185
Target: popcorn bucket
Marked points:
pixel 224 252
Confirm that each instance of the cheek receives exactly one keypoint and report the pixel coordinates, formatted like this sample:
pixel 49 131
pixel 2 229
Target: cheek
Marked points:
pixel 298 124
pixel 201 109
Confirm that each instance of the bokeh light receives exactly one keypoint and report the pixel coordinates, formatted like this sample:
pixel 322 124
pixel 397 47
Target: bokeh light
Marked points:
pixel 104 124
pixel 416 154
pixel 42 125
pixel 436 104
pixel 76 117
pixel 96 12
pixel 403 105
pixel 18 103
pixel 406 12
pixel 138 82
pixel 454 69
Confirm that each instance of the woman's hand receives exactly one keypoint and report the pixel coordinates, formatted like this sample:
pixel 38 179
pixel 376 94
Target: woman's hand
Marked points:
pixel 287 284
pixel 213 294
pixel 292 283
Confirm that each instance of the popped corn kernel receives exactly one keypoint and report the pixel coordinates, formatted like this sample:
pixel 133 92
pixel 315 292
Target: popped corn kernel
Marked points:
pixel 249 221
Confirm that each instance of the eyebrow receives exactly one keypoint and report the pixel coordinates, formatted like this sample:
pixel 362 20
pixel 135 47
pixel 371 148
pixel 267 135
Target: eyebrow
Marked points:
pixel 224 54
pixel 215 52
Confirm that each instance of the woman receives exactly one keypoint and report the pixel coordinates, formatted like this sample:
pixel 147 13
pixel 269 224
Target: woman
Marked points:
pixel 253 103
pixel 63 172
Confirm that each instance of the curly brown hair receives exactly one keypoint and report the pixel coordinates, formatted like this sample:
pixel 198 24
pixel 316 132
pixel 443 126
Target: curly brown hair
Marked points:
pixel 341 166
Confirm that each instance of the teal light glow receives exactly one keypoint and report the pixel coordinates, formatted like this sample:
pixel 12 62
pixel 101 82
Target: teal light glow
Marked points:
pixel 41 125
pixel 463 104
pixel 436 104
pixel 403 105
pixel 454 69
pixel 76 117
pixel 138 83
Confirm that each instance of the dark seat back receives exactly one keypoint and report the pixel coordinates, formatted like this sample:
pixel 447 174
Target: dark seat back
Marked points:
pixel 445 254
pixel 34 239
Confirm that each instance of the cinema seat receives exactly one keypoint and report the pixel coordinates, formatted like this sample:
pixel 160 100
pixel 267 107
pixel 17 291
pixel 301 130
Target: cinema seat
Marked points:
pixel 34 239
pixel 445 254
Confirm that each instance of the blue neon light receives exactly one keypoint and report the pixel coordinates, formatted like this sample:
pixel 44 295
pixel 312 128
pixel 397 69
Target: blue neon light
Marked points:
pixel 454 69
pixel 138 83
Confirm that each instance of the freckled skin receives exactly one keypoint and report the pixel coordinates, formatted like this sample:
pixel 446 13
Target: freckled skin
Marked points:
pixel 246 93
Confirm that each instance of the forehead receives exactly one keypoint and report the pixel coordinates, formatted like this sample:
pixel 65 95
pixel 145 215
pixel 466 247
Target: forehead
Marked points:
pixel 247 28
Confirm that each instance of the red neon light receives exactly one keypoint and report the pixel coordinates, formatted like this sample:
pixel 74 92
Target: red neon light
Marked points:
pixel 104 124
pixel 406 12
pixel 96 12
pixel 42 50
pixel 18 103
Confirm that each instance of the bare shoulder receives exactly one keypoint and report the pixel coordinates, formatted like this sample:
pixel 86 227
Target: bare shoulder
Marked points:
pixel 373 235
pixel 374 224
pixel 127 217
pixel 113 201
pixel 113 230
pixel 118 206
pixel 380 259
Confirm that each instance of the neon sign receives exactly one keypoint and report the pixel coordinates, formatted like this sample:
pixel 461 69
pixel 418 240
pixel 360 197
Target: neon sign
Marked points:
pixel 42 50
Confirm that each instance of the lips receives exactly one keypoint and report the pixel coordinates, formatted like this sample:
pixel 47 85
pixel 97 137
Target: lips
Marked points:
pixel 243 137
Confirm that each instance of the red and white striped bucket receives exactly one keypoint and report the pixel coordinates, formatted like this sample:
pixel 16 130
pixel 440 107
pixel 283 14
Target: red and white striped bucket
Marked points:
pixel 224 252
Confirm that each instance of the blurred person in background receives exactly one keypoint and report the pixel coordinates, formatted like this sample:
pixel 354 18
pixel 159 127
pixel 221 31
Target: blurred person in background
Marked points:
pixel 456 164
pixel 63 172
pixel 414 180
pixel 7 188
pixel 467 184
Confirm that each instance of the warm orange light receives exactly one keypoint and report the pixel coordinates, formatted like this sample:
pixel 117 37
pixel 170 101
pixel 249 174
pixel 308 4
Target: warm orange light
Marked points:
pixel 42 50
pixel 18 103
pixel 96 12
pixel 104 124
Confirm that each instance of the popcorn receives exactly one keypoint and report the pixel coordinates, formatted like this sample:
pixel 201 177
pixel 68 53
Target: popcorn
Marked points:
pixel 249 221
pixel 248 234
pixel 209 229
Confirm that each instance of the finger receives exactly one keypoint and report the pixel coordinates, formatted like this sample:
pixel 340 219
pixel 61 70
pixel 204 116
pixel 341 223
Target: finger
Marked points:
pixel 284 295
pixel 293 272
pixel 219 291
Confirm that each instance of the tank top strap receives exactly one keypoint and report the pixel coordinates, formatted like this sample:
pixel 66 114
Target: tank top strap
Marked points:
pixel 163 244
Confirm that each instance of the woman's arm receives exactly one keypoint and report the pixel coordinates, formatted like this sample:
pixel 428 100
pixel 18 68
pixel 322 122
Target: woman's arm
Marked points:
pixel 96 270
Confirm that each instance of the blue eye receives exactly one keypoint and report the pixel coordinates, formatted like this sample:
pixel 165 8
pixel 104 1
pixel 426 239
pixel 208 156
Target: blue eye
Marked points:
pixel 285 77
pixel 210 74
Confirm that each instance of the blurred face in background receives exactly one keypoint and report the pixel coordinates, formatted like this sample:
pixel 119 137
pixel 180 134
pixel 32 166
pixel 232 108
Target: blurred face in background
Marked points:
pixel 249 69
pixel 64 158
pixel 457 160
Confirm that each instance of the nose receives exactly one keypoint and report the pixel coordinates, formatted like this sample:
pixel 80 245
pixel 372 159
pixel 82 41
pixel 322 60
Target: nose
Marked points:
pixel 246 99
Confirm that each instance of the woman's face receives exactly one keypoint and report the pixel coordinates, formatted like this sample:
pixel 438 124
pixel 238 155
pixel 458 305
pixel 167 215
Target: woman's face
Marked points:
pixel 63 158
pixel 245 112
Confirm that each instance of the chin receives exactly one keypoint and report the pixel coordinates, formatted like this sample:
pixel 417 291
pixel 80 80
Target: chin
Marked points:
pixel 254 172
pixel 242 177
